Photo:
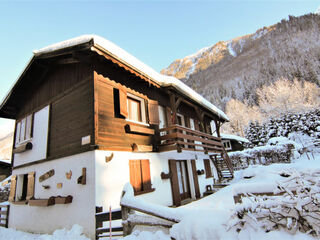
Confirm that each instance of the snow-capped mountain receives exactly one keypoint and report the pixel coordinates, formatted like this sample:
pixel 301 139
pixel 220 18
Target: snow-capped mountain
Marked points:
pixel 236 68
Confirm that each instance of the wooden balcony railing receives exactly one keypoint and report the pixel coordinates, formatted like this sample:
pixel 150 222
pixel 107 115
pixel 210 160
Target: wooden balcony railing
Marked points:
pixel 181 138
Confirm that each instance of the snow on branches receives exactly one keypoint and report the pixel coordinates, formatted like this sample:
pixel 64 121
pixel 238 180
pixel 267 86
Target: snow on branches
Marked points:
pixel 294 207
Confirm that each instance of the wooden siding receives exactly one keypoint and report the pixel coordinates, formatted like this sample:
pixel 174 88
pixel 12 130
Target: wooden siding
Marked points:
pixel 71 118
pixel 58 79
pixel 131 81
pixel 111 133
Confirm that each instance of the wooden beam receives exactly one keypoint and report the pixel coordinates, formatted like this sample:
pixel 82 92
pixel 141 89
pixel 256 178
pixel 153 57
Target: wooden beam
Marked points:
pixel 108 55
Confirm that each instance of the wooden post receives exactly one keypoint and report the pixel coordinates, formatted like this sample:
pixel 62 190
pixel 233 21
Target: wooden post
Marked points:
pixel 174 108
pixel 127 228
pixel 8 211
pixel 110 219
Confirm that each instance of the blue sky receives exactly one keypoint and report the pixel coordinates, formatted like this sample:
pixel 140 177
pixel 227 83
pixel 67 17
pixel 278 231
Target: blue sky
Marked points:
pixel 157 32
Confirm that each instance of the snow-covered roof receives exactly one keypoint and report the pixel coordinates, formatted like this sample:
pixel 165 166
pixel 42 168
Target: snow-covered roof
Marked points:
pixel 234 137
pixel 128 59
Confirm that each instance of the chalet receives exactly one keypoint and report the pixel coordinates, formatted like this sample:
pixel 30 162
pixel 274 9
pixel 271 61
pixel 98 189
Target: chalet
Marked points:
pixel 89 118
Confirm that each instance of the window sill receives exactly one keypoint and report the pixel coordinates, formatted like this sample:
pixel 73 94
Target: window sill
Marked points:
pixel 23 147
pixel 131 128
pixel 23 202
pixel 140 123
pixel 144 191
pixel 22 142
pixel 42 202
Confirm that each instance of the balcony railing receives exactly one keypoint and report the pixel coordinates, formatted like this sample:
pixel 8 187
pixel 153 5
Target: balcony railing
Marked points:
pixel 181 138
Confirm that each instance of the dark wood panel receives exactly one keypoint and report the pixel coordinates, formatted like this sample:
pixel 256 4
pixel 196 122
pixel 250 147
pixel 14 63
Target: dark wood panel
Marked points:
pixel 57 79
pixel 71 119
pixel 111 129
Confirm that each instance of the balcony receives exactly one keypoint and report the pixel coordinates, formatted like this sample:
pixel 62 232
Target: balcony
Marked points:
pixel 181 138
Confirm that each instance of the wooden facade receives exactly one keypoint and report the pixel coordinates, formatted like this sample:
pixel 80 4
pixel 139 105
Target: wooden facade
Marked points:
pixel 83 95
pixel 96 102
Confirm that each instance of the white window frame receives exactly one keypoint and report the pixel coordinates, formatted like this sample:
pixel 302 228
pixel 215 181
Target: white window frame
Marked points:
pixel 142 107
pixel 227 144
pixel 27 136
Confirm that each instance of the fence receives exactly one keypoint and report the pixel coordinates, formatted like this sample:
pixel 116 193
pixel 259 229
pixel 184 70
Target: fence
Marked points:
pixel 107 217
pixel 4 215
pixel 262 155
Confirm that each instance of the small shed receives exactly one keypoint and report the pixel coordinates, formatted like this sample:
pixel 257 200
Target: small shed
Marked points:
pixel 233 142
pixel 5 169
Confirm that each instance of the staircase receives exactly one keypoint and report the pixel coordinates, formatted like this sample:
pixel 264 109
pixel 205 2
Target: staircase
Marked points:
pixel 224 172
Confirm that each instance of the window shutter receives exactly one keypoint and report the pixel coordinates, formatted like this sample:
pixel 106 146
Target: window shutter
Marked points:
pixel 207 168
pixel 29 126
pixel 195 179
pixel 123 102
pixel 13 189
pixel 146 179
pixel 135 175
pixel 196 125
pixel 18 127
pixel 174 183
pixel 30 189
pixel 22 130
pixel 153 110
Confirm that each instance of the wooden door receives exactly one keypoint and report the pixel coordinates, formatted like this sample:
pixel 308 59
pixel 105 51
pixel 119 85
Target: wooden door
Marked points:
pixel 183 180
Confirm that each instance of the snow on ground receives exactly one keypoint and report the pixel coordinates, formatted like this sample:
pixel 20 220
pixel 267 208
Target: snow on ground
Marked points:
pixel 75 233
pixel 208 217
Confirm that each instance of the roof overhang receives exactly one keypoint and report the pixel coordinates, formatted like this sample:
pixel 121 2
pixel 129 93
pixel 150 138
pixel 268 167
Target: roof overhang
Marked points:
pixel 118 56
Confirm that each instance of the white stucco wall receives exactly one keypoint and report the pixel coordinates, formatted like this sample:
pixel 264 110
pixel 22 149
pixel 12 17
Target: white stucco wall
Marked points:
pixel 112 176
pixel 46 219
pixel 39 139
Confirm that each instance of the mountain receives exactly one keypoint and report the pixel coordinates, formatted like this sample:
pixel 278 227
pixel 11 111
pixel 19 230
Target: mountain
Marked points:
pixel 6 146
pixel 234 69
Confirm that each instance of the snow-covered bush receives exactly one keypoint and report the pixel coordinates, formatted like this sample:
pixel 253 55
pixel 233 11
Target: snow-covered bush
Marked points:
pixel 5 189
pixel 307 123
pixel 297 209
pixel 280 153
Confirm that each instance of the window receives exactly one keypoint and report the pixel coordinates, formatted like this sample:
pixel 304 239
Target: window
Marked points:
pixel 22 187
pixel 24 129
pixel 140 176
pixel 136 108
pixel 227 144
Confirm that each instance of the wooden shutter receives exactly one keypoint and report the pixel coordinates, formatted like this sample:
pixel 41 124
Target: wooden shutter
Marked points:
pixel 18 128
pixel 13 188
pixel 29 126
pixel 153 110
pixel 123 102
pixel 146 179
pixel 207 168
pixel 196 125
pixel 30 189
pixel 174 183
pixel 135 175
pixel 195 178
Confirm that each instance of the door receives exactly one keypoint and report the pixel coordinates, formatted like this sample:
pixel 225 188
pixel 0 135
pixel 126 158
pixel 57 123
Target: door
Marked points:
pixel 183 179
